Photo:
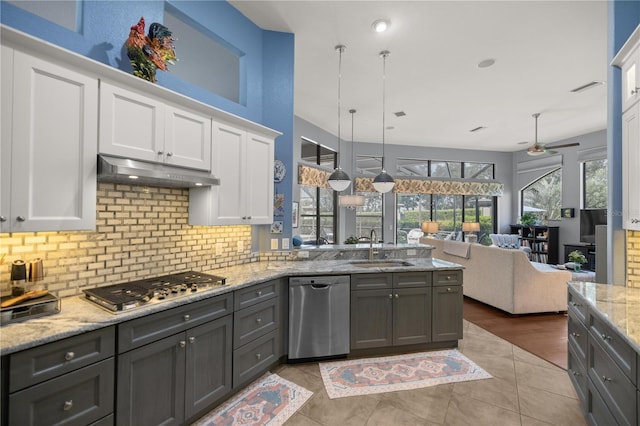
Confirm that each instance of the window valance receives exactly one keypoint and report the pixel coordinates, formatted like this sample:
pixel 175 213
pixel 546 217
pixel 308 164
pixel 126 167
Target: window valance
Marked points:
pixel 317 176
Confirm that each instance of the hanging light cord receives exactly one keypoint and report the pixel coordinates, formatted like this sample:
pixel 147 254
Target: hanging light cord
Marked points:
pixel 353 159
pixel 340 48
pixel 384 55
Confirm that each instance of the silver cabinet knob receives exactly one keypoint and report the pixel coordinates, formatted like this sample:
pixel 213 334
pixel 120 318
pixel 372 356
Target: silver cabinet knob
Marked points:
pixel 68 405
pixel 606 379
pixel 259 293
pixel 635 91
pixel 192 339
pixel 448 288
pixel 397 295
pixel 258 356
pixel 574 334
pixel 160 152
pixel 3 218
pixel 182 343
pixel 69 356
pixel 187 317
pixel 169 154
pixel 258 320
pixel 21 218
pixel 391 296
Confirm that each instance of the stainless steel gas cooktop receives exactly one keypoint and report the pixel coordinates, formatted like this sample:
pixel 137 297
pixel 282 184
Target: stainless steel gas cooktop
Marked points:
pixel 126 296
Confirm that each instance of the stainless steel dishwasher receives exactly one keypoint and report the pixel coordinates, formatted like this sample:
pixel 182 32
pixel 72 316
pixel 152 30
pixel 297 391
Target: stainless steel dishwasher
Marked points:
pixel 318 316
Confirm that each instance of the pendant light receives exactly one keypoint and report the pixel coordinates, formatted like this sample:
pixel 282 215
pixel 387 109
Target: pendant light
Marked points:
pixel 383 182
pixel 339 180
pixel 353 200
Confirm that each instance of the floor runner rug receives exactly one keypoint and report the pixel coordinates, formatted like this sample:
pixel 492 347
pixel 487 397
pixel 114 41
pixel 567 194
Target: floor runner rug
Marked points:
pixel 401 372
pixel 270 400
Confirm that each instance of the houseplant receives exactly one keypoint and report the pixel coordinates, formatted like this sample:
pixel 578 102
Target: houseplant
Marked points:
pixel 528 219
pixel 578 258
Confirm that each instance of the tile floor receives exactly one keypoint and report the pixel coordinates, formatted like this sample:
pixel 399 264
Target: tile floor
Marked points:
pixel 525 391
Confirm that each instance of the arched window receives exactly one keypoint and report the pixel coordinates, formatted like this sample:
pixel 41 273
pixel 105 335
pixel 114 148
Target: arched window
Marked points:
pixel 543 197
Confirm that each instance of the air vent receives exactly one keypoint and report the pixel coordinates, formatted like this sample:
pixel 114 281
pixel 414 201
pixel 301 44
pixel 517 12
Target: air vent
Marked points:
pixel 400 114
pixel 587 86
pixel 477 129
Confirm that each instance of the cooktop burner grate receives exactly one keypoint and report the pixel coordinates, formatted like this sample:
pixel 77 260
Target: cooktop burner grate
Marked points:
pixel 126 296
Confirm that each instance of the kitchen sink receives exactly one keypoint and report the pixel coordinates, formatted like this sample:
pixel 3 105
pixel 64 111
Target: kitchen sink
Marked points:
pixel 379 263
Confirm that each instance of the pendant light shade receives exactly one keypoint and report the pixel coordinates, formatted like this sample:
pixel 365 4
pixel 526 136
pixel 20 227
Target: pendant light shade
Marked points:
pixel 339 180
pixel 383 182
pixel 353 200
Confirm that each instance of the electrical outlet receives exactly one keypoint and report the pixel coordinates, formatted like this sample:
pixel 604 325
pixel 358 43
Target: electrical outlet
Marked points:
pixel 285 244
pixel 218 249
pixel 240 246
pixel 274 244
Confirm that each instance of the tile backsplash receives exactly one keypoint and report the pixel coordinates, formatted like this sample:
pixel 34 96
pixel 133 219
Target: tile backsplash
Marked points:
pixel 140 232
pixel 633 259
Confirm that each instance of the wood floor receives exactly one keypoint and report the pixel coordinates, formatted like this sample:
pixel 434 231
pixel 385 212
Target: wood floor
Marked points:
pixel 544 335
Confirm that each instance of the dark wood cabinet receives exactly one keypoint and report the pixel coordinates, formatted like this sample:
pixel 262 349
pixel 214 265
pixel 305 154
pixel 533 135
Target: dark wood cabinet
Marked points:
pixel 172 378
pixel 446 318
pixel 411 315
pixel 588 251
pixel 542 240
pixel 367 330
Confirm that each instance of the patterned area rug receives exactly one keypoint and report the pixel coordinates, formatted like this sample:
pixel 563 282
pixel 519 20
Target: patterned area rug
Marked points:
pixel 270 400
pixel 400 372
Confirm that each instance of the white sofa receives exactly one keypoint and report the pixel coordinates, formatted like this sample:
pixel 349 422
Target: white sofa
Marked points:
pixel 505 278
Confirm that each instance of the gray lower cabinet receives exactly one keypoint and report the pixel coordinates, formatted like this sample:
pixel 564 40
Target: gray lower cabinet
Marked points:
pixel 602 366
pixel 68 382
pixel 257 330
pixel 402 303
pixel 446 319
pixel 170 379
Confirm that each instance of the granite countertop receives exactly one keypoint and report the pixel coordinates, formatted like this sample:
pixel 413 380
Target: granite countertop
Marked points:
pixel 619 305
pixel 78 315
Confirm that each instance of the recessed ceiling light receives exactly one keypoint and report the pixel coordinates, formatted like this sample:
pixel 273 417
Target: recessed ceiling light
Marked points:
pixel 486 63
pixel 400 114
pixel 587 86
pixel 381 25
pixel 477 129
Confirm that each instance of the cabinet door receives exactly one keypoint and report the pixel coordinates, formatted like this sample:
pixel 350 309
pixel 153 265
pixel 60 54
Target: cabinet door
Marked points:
pixel 411 315
pixel 630 170
pixel 54 147
pixel 187 138
pixel 151 384
pixel 258 187
pixel 6 124
pixel 209 360
pixel 630 72
pixel 228 165
pixel 131 124
pixel 371 319
pixel 447 313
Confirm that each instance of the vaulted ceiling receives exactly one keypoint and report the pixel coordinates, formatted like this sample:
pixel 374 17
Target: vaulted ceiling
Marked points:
pixel 542 51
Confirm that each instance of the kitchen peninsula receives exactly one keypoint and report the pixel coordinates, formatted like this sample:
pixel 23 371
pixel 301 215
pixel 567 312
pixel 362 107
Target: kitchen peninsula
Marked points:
pixel 244 322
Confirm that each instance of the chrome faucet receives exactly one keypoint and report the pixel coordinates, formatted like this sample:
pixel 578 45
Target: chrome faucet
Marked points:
pixel 372 238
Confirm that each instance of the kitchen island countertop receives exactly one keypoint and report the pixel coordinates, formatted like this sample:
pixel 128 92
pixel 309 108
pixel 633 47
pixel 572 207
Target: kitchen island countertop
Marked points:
pixel 78 315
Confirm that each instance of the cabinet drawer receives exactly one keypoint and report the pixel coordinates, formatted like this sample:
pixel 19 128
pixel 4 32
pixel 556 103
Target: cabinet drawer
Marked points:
pixel 577 306
pixel 141 331
pixel 371 281
pixel 578 376
pixel 45 362
pixel 611 341
pixel 447 278
pixel 578 337
pixel 412 279
pixel 105 421
pixel 618 393
pixel 255 321
pixel 77 398
pixel 597 412
pixel 255 294
pixel 254 358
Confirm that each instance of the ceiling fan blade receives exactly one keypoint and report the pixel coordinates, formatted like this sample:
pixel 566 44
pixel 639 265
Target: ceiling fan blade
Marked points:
pixel 566 145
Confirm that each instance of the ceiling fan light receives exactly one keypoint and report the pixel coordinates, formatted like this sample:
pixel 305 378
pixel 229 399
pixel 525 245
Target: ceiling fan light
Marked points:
pixel 535 152
pixel 383 182
pixel 339 180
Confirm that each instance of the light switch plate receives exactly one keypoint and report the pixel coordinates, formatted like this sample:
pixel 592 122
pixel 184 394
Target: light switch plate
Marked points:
pixel 240 246
pixel 285 244
pixel 274 244
pixel 218 249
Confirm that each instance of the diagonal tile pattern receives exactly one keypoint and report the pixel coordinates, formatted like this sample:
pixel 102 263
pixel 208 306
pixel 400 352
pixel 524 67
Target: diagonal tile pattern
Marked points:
pixel 525 391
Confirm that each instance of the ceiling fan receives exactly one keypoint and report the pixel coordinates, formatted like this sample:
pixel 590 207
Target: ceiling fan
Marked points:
pixel 538 149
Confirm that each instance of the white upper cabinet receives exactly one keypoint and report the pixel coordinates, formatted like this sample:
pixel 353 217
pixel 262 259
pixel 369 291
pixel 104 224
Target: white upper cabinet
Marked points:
pixel 142 127
pixel 49 145
pixel 628 60
pixel 243 160
pixel 631 168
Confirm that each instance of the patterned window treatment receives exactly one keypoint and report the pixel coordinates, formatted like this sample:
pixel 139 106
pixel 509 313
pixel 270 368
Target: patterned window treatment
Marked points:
pixel 313 176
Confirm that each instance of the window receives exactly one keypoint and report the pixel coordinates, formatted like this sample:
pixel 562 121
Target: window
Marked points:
pixel 61 12
pixel 369 216
pixel 448 210
pixel 594 184
pixel 197 45
pixel 317 205
pixel 543 197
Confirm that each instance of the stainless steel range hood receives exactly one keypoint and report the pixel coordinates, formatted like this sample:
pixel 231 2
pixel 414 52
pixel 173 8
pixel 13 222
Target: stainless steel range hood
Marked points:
pixel 135 172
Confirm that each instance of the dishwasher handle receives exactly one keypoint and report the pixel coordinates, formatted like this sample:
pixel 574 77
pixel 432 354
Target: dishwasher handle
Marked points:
pixel 319 286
